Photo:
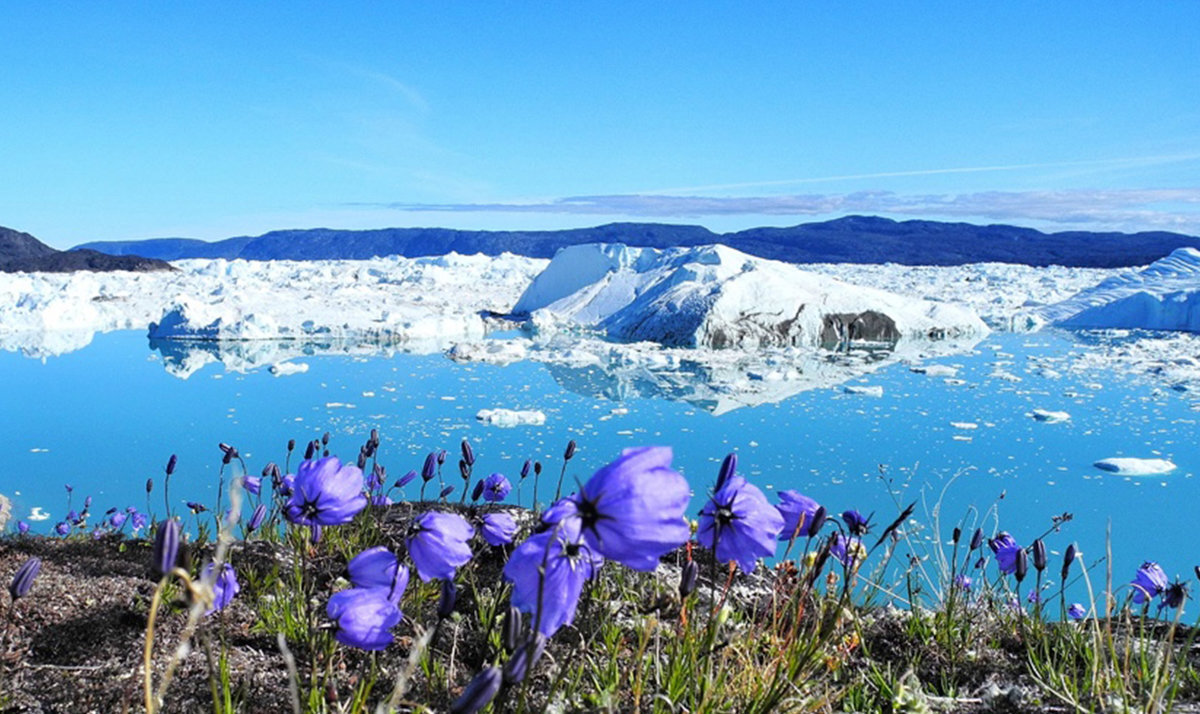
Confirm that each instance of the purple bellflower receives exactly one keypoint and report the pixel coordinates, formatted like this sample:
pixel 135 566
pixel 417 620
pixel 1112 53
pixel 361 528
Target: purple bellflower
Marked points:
pixel 630 511
pixel 856 523
pixel 1006 549
pixel 799 512
pixel 225 586
pixel 498 528
pixel 1149 582
pixel 480 691
pixel 568 560
pixel 326 493
pixel 437 543
pixel 378 567
pixel 848 550
pixel 364 616
pixel 1076 611
pixel 1174 595
pixel 256 518
pixel 22 580
pixel 741 524
pixel 496 488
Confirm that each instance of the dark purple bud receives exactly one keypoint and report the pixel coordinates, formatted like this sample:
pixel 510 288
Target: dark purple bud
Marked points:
pixel 23 578
pixel 537 468
pixel 325 439
pixel 405 479
pixel 291 445
pixel 171 464
pixel 687 578
pixel 227 457
pixel 166 546
pixel 87 503
pixel 68 487
pixel 310 450
pixel 429 470
pixel 362 459
pixel 441 457
pixel 446 602
pixel 818 521
pixel 524 659
pixel 956 535
pixel 149 485
pixel 315 533
pixel 1068 558
pixel 195 507
pixel 267 469
pixel 512 628
pixel 977 539
pixel 570 451
pixel 276 474
pixel 525 469
pixel 446 492
pixel 1022 564
pixel 225 448
pixel 464 469
pixel 728 468
pixel 260 512
pixel 979 563
pixel 374 436
pixel 477 491
pixel 479 692
pixel 1039 555
pixel 468 453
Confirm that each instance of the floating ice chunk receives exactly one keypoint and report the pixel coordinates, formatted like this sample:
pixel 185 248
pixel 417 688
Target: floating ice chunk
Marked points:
pixel 1163 296
pixel 935 370
pixel 866 391
pixel 509 417
pixel 499 352
pixel 282 369
pixel 38 514
pixel 1129 466
pixel 1049 416
pixel 965 425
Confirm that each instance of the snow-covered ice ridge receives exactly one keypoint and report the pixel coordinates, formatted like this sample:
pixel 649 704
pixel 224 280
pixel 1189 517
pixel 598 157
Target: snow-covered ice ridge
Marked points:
pixel 383 300
pixel 1163 296
pixel 718 297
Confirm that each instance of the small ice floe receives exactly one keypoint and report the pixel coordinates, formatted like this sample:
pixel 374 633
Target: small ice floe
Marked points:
pixel 283 369
pixel 336 405
pixel 960 437
pixel 38 514
pixel 965 425
pixel 39 450
pixel 1130 466
pixel 936 370
pixel 509 417
pixel 1049 417
pixel 618 411
pixel 872 391
pixel 953 382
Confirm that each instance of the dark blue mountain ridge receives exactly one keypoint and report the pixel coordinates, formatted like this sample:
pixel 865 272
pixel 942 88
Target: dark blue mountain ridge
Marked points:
pixel 852 239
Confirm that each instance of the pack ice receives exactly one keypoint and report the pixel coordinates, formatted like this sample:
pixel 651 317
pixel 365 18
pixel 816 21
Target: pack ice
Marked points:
pixel 717 297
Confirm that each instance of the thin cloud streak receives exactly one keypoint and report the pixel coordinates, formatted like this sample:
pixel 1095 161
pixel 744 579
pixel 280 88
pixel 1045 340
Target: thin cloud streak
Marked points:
pixel 1173 209
pixel 1133 161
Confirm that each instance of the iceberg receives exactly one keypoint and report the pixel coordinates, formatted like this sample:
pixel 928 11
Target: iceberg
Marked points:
pixel 510 417
pixel 717 297
pixel 1129 466
pixel 1163 296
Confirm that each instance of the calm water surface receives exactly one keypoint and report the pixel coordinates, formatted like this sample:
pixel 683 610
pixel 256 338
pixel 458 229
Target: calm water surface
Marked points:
pixel 105 418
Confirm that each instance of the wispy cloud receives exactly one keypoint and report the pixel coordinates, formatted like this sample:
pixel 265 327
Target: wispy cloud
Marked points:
pixel 1177 209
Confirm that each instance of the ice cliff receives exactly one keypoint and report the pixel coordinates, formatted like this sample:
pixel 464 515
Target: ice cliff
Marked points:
pixel 717 297
pixel 1162 296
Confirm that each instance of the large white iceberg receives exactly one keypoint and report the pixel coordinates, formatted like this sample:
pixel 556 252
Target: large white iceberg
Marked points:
pixel 717 297
pixel 1162 296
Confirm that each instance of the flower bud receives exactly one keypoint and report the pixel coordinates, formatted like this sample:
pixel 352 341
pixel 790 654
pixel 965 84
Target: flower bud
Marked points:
pixel 166 546
pixel 362 459
pixel 325 439
pixel 171 464
pixel 1039 555
pixel 468 454
pixel 446 602
pixel 23 578
pixel 977 539
pixel 524 659
pixel 441 458
pixel 570 451
pixel 818 521
pixel 446 492
pixel 479 692
pixel 537 468
pixel 464 469
pixel 1068 558
pixel 260 512
pixel 477 491
pixel 1022 564
pixel 525 468
pixel 291 445
pixel 512 629
pixel 687 578
pixel 310 450
pixel 956 535
pixel 405 479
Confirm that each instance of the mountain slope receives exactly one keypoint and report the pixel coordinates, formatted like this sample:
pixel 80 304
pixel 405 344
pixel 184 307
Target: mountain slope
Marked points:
pixel 21 252
pixel 853 239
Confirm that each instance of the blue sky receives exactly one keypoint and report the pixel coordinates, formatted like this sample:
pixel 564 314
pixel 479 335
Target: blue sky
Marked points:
pixel 208 120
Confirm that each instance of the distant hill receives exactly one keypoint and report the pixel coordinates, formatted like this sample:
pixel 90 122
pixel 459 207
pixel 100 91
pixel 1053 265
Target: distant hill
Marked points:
pixel 21 252
pixel 853 239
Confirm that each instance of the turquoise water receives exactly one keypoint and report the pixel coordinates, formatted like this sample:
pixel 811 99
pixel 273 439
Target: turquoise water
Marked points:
pixel 105 418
